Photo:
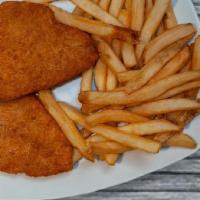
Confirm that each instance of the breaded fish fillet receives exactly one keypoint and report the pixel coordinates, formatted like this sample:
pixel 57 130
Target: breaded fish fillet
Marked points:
pixel 37 52
pixel 31 142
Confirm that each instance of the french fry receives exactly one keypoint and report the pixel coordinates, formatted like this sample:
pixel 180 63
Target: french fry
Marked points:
pixel 78 11
pixel 90 108
pixel 148 7
pixel 74 114
pixel 65 123
pixel 153 67
pixel 170 18
pixel 173 66
pixel 86 81
pixel 85 132
pixel 151 25
pixel 124 17
pixel 149 127
pixel 137 19
pixel 115 7
pixel 128 4
pixel 76 156
pixel 128 55
pixel 161 29
pixel 183 88
pixel 109 147
pixel 127 76
pixel 147 93
pixel 100 75
pixel 107 115
pixel 116 46
pixel 196 55
pixel 96 138
pixel 111 82
pixel 167 38
pixel 163 137
pixel 96 11
pixel 125 139
pixel 93 26
pixel 109 57
pixel 104 4
pixel 181 140
pixel 165 106
pixel 111 159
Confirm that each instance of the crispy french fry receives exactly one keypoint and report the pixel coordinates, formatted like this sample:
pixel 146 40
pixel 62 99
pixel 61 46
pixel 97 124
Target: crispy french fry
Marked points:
pixel 137 19
pixel 147 93
pixel 153 66
pixel 109 147
pixel 111 159
pixel 151 25
pixel 183 88
pixel 128 55
pixel 86 133
pixel 196 55
pixel 148 7
pixel 181 140
pixel 161 29
pixel 111 82
pixel 74 114
pixel 97 12
pixel 76 156
pixel 167 38
pixel 90 108
pixel 78 11
pixel 104 4
pixel 128 4
pixel 93 26
pixel 86 81
pixel 124 17
pixel 65 123
pixel 115 7
pixel 163 137
pixel 149 127
pixel 109 57
pixel 125 139
pixel 116 46
pixel 96 138
pixel 173 66
pixel 170 18
pixel 165 106
pixel 100 75
pixel 127 76
pixel 107 115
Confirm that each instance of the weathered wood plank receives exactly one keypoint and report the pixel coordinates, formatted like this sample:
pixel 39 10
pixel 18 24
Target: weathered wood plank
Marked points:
pixel 139 196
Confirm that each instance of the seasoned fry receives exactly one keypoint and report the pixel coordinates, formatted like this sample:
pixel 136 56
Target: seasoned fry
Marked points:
pixel 128 4
pixel 173 66
pixel 161 29
pixel 163 137
pixel 170 18
pixel 116 46
pixel 128 55
pixel 65 123
pixel 115 7
pixel 167 38
pixel 74 114
pixel 86 81
pixel 150 127
pixel 111 83
pixel 151 25
pixel 104 4
pixel 85 133
pixel 124 17
pixel 109 57
pixel 146 93
pixel 181 140
pixel 97 12
pixel 107 115
pixel 137 19
pixel 148 7
pixel 90 108
pixel 97 138
pixel 196 55
pixel 165 106
pixel 100 75
pixel 129 140
pixel 153 67
pixel 111 159
pixel 109 147
pixel 76 156
pixel 78 11
pixel 127 76
pixel 93 26
pixel 178 90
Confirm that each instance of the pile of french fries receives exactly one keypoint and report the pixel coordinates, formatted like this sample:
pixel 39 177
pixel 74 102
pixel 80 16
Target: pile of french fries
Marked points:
pixel 147 79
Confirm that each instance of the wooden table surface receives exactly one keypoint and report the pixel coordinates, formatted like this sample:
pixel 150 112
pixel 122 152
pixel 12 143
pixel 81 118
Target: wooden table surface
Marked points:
pixel 180 181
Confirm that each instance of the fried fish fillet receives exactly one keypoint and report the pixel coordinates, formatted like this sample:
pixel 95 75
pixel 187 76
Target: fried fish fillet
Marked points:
pixel 37 52
pixel 31 142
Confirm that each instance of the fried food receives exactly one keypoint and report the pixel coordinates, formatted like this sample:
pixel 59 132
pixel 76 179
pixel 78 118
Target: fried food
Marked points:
pixel 37 52
pixel 31 141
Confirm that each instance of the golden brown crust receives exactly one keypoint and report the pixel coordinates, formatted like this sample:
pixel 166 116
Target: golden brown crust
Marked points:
pixel 37 52
pixel 31 142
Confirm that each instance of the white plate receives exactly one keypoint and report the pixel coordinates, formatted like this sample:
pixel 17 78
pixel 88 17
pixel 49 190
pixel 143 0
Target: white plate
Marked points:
pixel 88 177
